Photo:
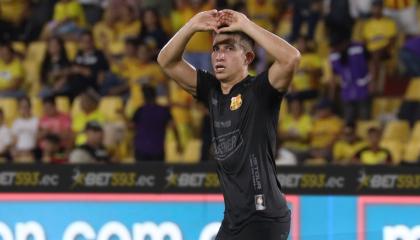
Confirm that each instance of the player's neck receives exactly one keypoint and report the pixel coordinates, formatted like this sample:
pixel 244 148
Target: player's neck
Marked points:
pixel 228 85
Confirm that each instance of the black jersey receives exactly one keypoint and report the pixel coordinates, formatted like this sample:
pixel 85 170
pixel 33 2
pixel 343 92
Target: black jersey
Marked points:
pixel 243 126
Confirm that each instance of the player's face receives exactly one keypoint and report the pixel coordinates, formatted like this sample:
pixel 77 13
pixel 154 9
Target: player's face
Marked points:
pixel 228 56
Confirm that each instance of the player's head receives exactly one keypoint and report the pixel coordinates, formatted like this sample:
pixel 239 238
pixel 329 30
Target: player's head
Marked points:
pixel 231 54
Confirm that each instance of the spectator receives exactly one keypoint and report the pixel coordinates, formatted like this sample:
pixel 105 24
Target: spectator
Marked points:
pixel 150 122
pixel 24 130
pixel 373 154
pixel 345 149
pixel 338 20
pixel 55 122
pixel 404 13
pixel 89 102
pixel 305 84
pixel 52 151
pixel 379 34
pixel 89 68
pixel 410 57
pixel 152 33
pixel 308 11
pixel 325 130
pixel 13 16
pixel 11 73
pixel 92 10
pixel 129 24
pixel 197 49
pixel 5 139
pixel 105 31
pixel 55 68
pixel 93 151
pixel 295 128
pixel 349 64
pixel 68 20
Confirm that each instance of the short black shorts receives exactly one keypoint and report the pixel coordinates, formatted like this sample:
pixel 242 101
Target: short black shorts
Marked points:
pixel 257 231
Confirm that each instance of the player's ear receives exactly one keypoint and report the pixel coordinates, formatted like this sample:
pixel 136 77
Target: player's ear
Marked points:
pixel 249 57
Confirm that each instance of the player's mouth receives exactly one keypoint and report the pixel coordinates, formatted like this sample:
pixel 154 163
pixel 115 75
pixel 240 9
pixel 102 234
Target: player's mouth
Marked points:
pixel 219 68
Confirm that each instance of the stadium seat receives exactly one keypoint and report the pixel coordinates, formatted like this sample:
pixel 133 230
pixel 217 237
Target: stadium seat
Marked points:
pixel 192 151
pixel 384 105
pixel 110 106
pixel 36 106
pixel 362 127
pixel 413 90
pixel 397 131
pixel 415 133
pixel 10 109
pixel 396 148
pixel 19 47
pixel 412 151
pixel 63 104
pixel 75 107
pixel 71 49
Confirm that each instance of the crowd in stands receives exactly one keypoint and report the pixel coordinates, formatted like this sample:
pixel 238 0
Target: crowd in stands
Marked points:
pixel 79 81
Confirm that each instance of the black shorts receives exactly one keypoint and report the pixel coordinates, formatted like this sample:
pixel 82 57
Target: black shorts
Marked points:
pixel 257 231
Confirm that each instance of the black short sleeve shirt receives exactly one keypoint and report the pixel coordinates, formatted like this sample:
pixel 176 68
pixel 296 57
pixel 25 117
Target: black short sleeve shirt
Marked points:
pixel 243 127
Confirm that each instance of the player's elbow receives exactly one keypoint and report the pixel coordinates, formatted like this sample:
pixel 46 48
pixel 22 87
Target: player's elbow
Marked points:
pixel 294 60
pixel 162 60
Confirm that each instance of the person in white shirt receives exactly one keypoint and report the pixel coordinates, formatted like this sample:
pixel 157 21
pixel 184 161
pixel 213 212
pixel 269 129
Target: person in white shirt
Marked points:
pixel 24 131
pixel 5 139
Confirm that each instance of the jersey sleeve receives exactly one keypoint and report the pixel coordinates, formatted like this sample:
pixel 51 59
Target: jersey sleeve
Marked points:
pixel 205 82
pixel 266 92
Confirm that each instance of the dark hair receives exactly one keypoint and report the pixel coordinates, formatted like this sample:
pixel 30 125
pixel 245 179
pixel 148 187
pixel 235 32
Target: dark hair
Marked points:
pixel 49 99
pixel 8 45
pixel 155 12
pixel 373 130
pixel 149 93
pixel 86 32
pixel 249 42
pixel 47 64
pixel 52 138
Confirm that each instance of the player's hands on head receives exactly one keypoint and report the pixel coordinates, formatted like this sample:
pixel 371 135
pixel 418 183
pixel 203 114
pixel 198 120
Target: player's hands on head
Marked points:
pixel 205 21
pixel 231 21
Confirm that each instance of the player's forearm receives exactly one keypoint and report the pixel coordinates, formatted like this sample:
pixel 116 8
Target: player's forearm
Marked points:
pixel 172 52
pixel 279 49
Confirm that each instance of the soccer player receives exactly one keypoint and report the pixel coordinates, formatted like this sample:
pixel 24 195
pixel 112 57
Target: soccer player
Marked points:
pixel 244 114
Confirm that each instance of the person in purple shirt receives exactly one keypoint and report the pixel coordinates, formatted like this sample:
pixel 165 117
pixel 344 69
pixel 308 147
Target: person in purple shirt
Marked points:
pixel 150 122
pixel 410 57
pixel 350 66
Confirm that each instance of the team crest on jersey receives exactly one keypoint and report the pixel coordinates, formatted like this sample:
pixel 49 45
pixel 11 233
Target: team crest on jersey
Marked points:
pixel 259 202
pixel 236 102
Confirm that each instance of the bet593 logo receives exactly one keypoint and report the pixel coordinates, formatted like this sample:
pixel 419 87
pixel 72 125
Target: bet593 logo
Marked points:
pixel 401 232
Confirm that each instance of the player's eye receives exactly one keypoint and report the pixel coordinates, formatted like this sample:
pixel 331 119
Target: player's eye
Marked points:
pixel 215 48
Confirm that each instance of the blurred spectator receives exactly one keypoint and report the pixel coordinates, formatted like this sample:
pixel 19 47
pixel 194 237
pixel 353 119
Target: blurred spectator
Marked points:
pixel 55 68
pixel 104 31
pixel 92 10
pixel 55 122
pixel 338 20
pixel 24 130
pixel 152 33
pixel 93 150
pixel 197 50
pixel 410 57
pixel 346 147
pixel 404 13
pixel 305 84
pixel 89 102
pixel 52 151
pixel 5 139
pixel 308 11
pixel 129 24
pixel 295 128
pixel 373 154
pixel 68 20
pixel 13 14
pixel 150 122
pixel 284 156
pixel 89 68
pixel 379 34
pixel 325 130
pixel 11 73
pixel 350 67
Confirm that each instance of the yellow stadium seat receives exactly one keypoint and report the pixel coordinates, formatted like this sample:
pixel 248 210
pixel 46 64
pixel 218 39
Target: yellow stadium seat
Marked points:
pixel 413 90
pixel 362 127
pixel 75 107
pixel 171 153
pixel 384 105
pixel 415 134
pixel 396 148
pixel 10 109
pixel 412 151
pixel 63 104
pixel 32 77
pixel 110 107
pixel 36 52
pixel 71 49
pixel 397 131
pixel 19 47
pixel 192 151
pixel 36 106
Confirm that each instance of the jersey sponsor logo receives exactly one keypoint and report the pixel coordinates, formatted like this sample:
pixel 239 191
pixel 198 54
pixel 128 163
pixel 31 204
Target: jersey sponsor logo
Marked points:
pixel 227 144
pixel 236 102
pixel 259 202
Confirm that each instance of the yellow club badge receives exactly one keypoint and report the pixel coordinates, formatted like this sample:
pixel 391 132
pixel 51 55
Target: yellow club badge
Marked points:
pixel 235 102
